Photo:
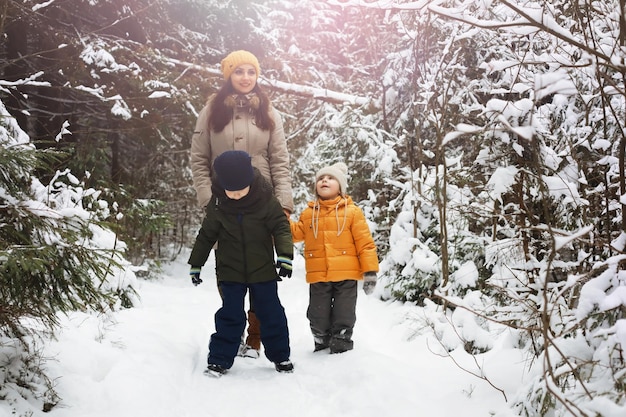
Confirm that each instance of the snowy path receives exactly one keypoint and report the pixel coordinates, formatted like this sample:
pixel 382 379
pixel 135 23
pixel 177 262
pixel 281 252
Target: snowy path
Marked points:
pixel 148 361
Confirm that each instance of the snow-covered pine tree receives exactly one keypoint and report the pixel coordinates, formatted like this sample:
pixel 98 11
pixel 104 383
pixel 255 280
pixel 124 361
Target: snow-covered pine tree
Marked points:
pixel 56 256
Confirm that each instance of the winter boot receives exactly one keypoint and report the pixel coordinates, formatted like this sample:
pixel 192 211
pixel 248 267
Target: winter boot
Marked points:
pixel 340 345
pixel 319 346
pixel 246 351
pixel 284 366
pixel 215 371
pixel 321 343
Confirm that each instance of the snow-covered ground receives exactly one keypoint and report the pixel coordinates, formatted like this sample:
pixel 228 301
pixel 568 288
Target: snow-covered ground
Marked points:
pixel 148 361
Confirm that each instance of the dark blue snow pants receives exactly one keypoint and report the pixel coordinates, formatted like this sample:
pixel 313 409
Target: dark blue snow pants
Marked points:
pixel 230 322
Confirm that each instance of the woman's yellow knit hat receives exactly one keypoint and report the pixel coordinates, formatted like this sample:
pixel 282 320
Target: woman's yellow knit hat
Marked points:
pixel 237 58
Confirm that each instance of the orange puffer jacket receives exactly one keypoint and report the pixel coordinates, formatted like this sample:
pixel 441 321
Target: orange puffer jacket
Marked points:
pixel 338 244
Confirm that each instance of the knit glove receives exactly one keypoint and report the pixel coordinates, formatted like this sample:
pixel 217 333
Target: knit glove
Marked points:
pixel 194 273
pixel 284 266
pixel 369 283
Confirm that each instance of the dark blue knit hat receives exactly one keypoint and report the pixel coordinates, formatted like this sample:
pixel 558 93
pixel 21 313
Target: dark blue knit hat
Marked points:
pixel 233 170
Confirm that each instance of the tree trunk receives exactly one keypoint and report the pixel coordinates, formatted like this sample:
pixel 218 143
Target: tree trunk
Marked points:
pixel 622 142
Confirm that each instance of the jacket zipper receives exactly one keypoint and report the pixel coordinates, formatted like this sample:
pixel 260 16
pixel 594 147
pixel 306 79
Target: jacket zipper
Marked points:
pixel 243 242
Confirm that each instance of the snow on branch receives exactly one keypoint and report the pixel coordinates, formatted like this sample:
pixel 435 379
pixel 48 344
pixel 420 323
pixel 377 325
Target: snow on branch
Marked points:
pixel 381 4
pixel 64 131
pixel 31 80
pixel 317 93
pixel 530 20
pixel 290 88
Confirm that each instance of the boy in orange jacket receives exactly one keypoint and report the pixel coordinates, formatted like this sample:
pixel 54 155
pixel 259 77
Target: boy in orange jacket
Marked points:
pixel 339 251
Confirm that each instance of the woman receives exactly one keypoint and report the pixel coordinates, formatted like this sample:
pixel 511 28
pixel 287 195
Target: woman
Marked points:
pixel 240 117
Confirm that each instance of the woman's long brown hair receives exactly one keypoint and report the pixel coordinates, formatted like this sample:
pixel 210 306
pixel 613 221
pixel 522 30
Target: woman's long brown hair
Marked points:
pixel 221 114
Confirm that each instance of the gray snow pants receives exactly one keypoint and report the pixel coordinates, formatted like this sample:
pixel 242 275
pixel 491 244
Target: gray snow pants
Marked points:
pixel 332 315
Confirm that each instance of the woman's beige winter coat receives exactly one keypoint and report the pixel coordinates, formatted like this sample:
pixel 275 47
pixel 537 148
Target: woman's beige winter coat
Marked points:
pixel 268 150
pixel 338 244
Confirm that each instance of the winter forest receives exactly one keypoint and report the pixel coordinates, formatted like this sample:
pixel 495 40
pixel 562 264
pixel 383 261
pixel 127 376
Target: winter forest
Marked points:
pixel 485 141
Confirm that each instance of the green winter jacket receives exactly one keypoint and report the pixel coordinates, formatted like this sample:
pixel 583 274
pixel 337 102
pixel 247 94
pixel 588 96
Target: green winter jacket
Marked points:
pixel 247 232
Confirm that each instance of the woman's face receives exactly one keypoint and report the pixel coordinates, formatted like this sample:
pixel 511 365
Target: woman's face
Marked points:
pixel 243 79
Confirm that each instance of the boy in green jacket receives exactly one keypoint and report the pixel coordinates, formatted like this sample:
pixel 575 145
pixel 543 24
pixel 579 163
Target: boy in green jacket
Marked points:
pixel 248 223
